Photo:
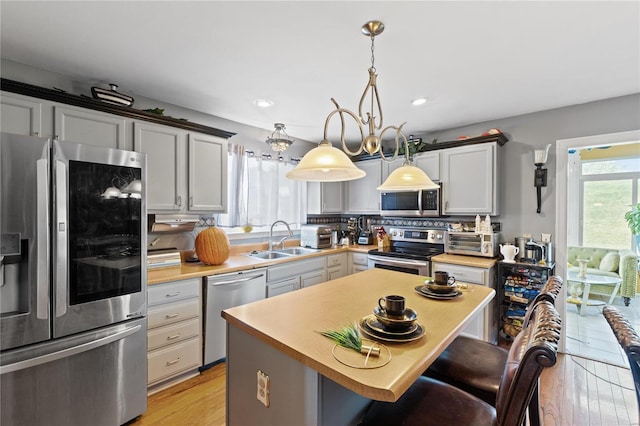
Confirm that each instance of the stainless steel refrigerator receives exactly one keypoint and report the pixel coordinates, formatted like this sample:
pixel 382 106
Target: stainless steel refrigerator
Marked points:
pixel 72 283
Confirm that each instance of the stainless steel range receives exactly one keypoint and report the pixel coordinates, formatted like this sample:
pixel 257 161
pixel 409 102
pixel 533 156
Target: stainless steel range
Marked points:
pixel 410 251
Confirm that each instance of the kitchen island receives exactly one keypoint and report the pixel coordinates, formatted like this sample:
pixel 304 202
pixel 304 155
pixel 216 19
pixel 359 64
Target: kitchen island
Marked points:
pixel 307 384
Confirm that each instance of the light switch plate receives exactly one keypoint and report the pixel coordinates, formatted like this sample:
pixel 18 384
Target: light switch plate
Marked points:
pixel 263 388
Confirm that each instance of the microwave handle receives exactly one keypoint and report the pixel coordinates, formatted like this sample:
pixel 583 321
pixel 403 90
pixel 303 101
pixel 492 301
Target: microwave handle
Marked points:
pixel 420 201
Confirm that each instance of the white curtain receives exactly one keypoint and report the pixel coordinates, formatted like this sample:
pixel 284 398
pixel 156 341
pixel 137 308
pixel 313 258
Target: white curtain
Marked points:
pixel 259 193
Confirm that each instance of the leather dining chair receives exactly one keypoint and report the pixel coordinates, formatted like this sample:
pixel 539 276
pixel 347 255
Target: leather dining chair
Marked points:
pixel 476 366
pixel 629 340
pixel 431 402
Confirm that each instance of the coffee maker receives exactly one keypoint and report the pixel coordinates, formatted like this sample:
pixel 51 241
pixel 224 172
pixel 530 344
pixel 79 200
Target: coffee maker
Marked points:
pixel 534 252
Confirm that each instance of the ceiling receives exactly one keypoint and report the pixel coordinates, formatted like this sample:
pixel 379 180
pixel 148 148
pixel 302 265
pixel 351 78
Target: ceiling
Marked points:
pixel 474 61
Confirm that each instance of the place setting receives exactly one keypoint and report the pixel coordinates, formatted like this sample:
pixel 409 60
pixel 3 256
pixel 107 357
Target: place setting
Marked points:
pixel 442 287
pixel 392 321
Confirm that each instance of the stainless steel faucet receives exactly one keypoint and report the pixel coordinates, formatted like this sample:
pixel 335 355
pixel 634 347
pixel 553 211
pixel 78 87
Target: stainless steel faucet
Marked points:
pixel 281 242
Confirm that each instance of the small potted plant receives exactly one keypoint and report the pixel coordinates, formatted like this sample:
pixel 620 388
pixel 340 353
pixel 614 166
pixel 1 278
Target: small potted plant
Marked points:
pixel 633 220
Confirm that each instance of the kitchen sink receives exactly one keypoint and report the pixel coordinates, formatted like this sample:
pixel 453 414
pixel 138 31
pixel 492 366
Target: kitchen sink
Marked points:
pixel 297 251
pixel 277 254
pixel 268 254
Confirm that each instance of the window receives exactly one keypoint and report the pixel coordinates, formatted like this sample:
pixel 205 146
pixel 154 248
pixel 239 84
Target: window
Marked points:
pixel 259 193
pixel 609 187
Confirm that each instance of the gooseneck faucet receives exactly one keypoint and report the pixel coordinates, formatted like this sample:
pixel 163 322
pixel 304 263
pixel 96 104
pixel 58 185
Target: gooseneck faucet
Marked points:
pixel 281 242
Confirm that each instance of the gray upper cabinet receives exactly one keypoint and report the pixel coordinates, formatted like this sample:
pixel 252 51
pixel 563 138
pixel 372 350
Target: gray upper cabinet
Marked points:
pixel 324 197
pixel 362 195
pixel 429 162
pixel 186 172
pixel 91 127
pixel 166 165
pixel 207 173
pixel 21 115
pixel 469 178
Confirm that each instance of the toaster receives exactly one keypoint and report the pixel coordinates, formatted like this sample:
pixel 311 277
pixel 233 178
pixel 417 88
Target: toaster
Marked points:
pixel 315 236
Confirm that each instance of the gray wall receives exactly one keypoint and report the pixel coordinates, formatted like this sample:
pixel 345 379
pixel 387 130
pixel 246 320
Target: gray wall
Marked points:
pixel 535 131
pixel 525 132
pixel 251 137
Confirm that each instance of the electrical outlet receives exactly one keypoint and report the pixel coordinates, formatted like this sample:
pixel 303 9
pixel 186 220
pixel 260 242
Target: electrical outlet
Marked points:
pixel 263 388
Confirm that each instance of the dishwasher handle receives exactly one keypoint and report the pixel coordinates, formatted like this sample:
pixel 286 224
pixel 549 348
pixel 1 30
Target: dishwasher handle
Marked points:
pixel 235 281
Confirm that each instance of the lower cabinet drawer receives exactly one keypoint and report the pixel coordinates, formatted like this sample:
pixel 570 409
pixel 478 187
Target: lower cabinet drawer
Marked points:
pixel 172 313
pixel 360 258
pixel 467 274
pixel 163 336
pixel 173 359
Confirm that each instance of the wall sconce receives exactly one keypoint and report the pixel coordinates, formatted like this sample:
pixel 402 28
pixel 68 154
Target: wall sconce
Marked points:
pixel 540 177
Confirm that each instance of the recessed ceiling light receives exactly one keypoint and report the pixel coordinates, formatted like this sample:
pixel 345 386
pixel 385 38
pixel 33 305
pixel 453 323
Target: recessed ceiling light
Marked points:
pixel 418 101
pixel 263 103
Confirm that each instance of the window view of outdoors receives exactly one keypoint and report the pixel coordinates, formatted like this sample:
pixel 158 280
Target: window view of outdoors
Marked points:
pixel 610 188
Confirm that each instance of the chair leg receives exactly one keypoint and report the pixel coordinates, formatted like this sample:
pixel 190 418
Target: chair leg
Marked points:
pixel 534 408
pixel 627 300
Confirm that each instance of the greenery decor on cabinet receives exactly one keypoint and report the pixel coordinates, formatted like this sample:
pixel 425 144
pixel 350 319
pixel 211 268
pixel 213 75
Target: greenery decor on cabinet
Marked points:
pixel 212 246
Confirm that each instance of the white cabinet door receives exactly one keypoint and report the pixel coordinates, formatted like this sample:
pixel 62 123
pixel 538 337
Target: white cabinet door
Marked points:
pixel 282 287
pixel 313 278
pixel 166 165
pixel 429 162
pixel 90 127
pixel 469 180
pixel 324 197
pixel 21 115
pixel 207 173
pixel 362 195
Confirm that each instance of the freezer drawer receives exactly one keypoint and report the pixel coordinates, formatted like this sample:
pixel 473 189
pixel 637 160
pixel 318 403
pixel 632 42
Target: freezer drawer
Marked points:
pixel 81 380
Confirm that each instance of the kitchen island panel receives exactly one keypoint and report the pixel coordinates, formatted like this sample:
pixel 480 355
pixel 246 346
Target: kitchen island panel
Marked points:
pixel 289 324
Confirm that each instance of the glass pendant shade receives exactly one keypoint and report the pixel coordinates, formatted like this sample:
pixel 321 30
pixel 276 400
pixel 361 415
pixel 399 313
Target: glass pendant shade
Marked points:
pixel 279 141
pixel 407 178
pixel 325 163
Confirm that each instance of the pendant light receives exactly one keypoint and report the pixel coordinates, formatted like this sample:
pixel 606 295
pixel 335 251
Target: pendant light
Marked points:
pixel 279 140
pixel 328 164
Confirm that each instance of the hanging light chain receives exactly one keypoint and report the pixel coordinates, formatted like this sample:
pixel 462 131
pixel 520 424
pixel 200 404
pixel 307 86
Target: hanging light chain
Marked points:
pixel 373 56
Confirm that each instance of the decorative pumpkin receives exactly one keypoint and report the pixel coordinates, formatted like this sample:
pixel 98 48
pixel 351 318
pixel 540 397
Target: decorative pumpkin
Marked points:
pixel 212 246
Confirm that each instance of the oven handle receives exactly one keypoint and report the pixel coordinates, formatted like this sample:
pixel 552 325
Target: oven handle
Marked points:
pixel 396 261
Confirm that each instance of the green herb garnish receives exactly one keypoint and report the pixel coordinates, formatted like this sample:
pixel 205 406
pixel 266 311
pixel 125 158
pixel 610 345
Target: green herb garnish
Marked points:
pixel 347 337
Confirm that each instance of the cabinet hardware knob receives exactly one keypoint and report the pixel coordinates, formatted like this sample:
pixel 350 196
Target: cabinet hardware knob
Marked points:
pixel 173 362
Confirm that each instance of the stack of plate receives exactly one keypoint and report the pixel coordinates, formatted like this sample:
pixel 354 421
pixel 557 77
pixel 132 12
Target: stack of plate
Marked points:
pixel 437 291
pixel 381 326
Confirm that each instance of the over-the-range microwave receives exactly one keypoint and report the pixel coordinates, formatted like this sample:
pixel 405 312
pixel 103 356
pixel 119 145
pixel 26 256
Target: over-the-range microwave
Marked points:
pixel 422 203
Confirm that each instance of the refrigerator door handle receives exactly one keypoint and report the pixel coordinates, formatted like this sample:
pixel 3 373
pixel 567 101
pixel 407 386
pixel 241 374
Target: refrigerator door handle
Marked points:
pixel 42 239
pixel 74 350
pixel 61 240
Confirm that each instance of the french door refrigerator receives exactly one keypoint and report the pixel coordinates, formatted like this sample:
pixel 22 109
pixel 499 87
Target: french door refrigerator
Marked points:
pixel 72 283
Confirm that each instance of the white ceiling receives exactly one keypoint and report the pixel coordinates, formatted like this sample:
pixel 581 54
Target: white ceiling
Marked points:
pixel 475 61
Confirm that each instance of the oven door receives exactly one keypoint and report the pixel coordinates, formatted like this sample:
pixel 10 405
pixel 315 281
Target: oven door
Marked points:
pixel 409 266
pixel 99 247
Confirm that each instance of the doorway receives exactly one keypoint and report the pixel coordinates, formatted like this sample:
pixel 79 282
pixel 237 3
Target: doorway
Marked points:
pixel 587 334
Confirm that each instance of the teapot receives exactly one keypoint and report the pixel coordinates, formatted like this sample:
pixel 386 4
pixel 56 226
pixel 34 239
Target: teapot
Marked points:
pixel 509 251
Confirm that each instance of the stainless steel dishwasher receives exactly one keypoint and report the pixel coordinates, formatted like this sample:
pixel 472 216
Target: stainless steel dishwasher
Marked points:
pixel 226 291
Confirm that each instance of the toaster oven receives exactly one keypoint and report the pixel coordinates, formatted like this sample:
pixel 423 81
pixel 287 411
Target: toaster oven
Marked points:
pixel 315 236
pixel 472 243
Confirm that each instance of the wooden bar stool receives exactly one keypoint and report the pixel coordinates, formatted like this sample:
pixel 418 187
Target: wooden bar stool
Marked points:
pixel 432 402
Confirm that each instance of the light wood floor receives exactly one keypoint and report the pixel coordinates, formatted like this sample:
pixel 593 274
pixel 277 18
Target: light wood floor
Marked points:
pixel 576 391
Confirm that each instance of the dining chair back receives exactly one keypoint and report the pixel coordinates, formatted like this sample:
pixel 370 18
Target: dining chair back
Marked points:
pixel 629 340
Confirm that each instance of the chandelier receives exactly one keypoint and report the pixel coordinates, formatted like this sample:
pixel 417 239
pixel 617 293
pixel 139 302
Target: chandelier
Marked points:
pixel 325 163
pixel 279 140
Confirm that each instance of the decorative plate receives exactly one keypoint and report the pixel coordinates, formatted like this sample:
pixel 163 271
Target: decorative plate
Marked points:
pixel 369 332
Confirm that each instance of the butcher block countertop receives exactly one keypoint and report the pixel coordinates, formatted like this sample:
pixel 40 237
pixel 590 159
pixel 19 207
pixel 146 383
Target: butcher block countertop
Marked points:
pixel 289 323
pixel 473 261
pixel 239 261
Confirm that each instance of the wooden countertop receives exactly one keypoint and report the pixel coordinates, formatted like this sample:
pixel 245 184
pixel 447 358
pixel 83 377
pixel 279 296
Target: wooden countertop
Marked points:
pixel 236 262
pixel 289 323
pixel 474 261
